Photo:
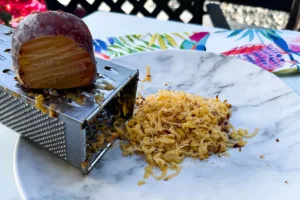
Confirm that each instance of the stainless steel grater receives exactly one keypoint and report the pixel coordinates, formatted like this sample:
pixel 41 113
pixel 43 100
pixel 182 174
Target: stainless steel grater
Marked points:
pixel 66 135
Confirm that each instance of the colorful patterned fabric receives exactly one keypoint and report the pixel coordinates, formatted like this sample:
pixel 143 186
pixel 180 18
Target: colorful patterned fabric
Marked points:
pixel 273 50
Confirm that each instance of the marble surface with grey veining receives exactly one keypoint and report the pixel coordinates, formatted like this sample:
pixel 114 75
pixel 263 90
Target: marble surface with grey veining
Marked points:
pixel 259 99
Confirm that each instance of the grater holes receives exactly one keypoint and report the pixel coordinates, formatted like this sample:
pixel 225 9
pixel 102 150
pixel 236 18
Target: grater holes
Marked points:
pixel 59 140
pixel 34 118
pixel 39 127
pixel 10 107
pixel 8 102
pixel 44 135
pixel 4 98
pixel 39 132
pixel 11 114
pixel 53 144
pixel 53 148
pixel 29 122
pixel 61 154
pixel 39 119
pixel 20 116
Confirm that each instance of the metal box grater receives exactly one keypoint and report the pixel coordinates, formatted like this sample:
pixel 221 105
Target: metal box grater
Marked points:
pixel 65 136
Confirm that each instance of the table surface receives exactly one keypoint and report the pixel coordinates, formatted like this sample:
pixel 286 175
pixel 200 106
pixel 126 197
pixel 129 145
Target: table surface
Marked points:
pixel 101 24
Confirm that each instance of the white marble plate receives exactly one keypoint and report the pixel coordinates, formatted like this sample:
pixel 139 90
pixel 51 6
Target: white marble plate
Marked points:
pixel 260 99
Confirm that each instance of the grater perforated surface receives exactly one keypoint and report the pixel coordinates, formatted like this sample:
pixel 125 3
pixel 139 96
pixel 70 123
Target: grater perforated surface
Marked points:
pixel 49 133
